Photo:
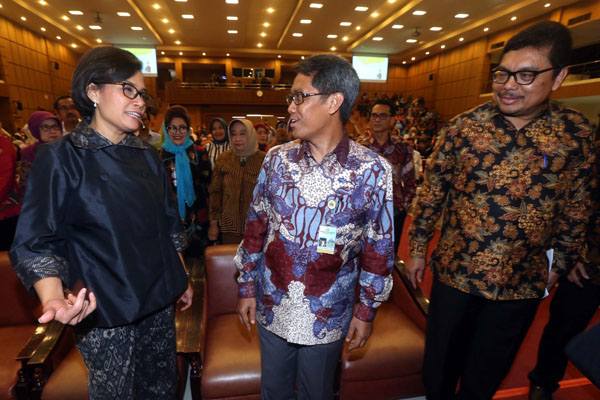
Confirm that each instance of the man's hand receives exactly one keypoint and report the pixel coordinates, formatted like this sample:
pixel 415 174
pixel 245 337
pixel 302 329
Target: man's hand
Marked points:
pixel 69 311
pixel 415 267
pixel 359 333
pixel 246 309
pixel 577 273
pixel 186 298
pixel 552 278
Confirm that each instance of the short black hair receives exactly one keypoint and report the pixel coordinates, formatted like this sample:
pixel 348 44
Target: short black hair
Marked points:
pixel 385 103
pixel 177 112
pixel 59 98
pixel 332 74
pixel 100 65
pixel 544 35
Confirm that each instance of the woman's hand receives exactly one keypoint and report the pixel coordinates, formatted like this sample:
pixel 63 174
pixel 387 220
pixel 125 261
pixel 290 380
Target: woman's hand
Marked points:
pixel 213 231
pixel 186 298
pixel 69 311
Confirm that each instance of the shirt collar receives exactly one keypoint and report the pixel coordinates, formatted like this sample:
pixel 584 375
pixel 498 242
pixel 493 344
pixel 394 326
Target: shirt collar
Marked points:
pixel 545 113
pixel 83 136
pixel 341 150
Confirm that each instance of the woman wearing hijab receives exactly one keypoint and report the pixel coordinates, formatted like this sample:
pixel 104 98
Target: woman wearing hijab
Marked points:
pixel 220 140
pixel 46 128
pixel 262 136
pixel 188 169
pixel 234 177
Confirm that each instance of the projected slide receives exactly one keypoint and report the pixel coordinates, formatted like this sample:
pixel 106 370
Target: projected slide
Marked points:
pixel 148 58
pixel 371 68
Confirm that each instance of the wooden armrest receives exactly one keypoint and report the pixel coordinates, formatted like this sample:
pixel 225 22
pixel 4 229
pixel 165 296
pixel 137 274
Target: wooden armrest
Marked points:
pixel 417 294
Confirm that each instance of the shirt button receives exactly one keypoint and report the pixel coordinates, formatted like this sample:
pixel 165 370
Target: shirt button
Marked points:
pixel 331 204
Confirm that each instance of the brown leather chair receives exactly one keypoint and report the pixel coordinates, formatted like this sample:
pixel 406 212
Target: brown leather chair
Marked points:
pixel 230 354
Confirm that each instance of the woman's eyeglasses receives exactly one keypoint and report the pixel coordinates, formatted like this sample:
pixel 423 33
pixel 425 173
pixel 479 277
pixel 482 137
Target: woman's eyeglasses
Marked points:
pixel 130 91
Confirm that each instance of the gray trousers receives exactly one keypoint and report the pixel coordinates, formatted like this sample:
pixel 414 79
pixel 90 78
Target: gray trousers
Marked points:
pixel 286 366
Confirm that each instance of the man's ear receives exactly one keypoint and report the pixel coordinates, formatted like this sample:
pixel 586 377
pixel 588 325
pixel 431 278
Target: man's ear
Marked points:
pixel 560 78
pixel 335 102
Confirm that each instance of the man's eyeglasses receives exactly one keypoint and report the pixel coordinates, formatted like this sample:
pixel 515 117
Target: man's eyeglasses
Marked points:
pixel 298 98
pixel 67 108
pixel 379 116
pixel 130 91
pixel 522 77
pixel 47 128
pixel 174 128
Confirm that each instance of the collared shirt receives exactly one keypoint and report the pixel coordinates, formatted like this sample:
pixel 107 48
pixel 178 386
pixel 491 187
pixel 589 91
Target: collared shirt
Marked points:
pixel 305 296
pixel 101 215
pixel 400 155
pixel 591 251
pixel 508 195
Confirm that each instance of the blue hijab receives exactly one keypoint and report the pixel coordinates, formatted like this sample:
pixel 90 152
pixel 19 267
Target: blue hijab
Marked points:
pixel 185 183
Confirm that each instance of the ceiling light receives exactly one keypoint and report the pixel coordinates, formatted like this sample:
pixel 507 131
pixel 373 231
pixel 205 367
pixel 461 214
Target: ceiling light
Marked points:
pixel 297 34
pixel 331 36
pixel 345 23
pixel 486 29
pixel 263 34
pixel 259 45
pixel 99 40
pixel 412 58
pixel 227 54
pixel 391 1
pixel 411 40
pixel 42 2
pixel 270 10
pixel 75 12
pixel 375 15
pixel 181 1
pixel 305 21
pixel 136 28
pixel 181 53
pixel 426 53
pixel 43 29
pixel 358 28
pixel 316 5
pixel 231 1
pixel 187 16
pixel 95 27
pixel 378 38
pixel 156 6
pixel 23 19
pixel 333 48
pixel 302 57
pixel 232 18
pixel 461 15
pixel 73 45
pixel 279 56
pixel 345 38
pixel 64 17
pixel 397 26
pixel 266 24
pixel 435 28
pixel 178 42
pixel 547 5
pixel 123 14
pixel 171 30
pixel 165 21
pixel 203 53
pixel 461 39
pixel 361 8
pixel 419 12
pixel 58 37
pixel 513 18
pixel 443 46
pixel 232 32
pixel 79 27
pixel 403 62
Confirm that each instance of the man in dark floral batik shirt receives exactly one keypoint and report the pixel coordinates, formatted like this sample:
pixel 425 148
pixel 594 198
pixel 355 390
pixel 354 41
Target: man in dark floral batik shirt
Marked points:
pixel 511 177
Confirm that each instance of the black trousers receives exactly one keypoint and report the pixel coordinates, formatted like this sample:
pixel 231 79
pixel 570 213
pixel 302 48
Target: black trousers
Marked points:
pixel 571 310
pixel 472 340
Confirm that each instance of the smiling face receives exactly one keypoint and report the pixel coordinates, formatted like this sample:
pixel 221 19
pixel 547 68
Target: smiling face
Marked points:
pixel 116 114
pixel 262 136
pixel 239 136
pixel 67 111
pixel 309 118
pixel 177 130
pixel 217 130
pixel 50 130
pixel 521 103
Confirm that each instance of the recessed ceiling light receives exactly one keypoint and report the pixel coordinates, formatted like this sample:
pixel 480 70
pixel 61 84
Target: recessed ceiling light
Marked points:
pixel 136 28
pixel 232 32
pixel 181 1
pixel 419 12
pixel 443 46
pixel 259 45
pixel 279 56
pixel 426 53
pixel 333 48
pixel 361 8
pixel 58 37
pixel 302 57
pixel 75 12
pixel 73 45
pixel 23 19
pixel 413 58
pixel 203 53
pixel 231 1
pixel 296 34
pixel 411 40
pixel 461 39
pixel 181 53
pixel 305 21
pixel 375 15
pixel 43 29
pixel 232 18
pixel 270 10
pixel 171 30
pixel 358 28
pixel 486 29
pixel 123 14
pixel 227 54
pixel 263 34
pixel 331 36
pixel 178 42
pixel 156 6
pixel 42 2
pixel 187 16
pixel 99 40
pixel 403 62
pixel 65 18
pixel 345 23
pixel 95 27
pixel 547 5
pixel 397 26
pixel 513 18
pixel 461 15
pixel 79 27
pixel 316 5
pixel 391 1
pixel 377 38
pixel 165 21
pixel 435 28
pixel 345 38
pixel 266 24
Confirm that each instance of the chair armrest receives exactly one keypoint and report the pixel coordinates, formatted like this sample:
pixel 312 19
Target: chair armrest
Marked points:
pixel 417 294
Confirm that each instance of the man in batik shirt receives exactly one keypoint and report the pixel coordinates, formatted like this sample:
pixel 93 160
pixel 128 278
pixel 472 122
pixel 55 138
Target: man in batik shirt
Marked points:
pixel 512 179
pixel 320 220
pixel 399 154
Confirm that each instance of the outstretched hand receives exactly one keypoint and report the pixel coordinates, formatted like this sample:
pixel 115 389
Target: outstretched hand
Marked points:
pixel 70 310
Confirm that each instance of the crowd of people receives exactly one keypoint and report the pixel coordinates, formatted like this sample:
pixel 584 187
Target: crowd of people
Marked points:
pixel 317 205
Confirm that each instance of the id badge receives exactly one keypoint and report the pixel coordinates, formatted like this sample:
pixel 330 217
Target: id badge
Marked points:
pixel 326 239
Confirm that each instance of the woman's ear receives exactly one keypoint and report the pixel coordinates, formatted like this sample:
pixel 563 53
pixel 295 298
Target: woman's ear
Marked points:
pixel 92 92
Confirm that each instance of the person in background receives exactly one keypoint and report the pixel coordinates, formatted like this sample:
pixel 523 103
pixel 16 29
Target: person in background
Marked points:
pixel 220 140
pixel 99 234
pixel 511 180
pixel 262 135
pixel 10 204
pixel 233 180
pixel 67 113
pixel 281 137
pixel 189 171
pixel 45 127
pixel 146 133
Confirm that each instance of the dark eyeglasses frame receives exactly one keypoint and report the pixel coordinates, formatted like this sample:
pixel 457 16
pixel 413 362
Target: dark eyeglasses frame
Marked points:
pixel 375 116
pixel 515 74
pixel 298 98
pixel 147 97
pixel 181 128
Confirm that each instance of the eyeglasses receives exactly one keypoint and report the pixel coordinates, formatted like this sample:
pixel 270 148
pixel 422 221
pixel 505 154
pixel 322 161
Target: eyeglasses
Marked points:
pixel 65 108
pixel 522 77
pixel 298 98
pixel 180 128
pixel 379 116
pixel 130 91
pixel 53 127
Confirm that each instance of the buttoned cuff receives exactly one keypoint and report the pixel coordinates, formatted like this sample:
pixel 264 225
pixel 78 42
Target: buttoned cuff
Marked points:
pixel 36 268
pixel 246 290
pixel 180 241
pixel 365 313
